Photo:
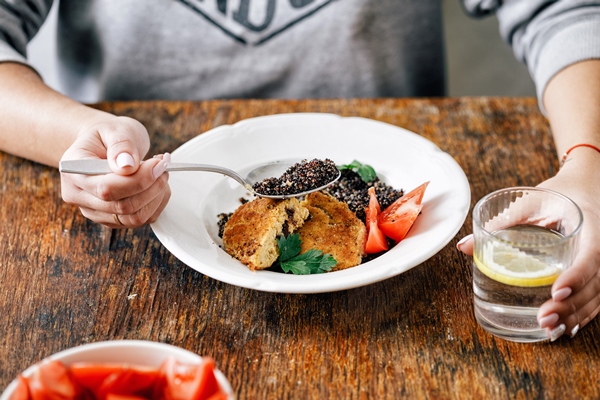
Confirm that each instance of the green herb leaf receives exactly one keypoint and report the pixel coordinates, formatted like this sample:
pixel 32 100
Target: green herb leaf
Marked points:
pixel 311 262
pixel 289 247
pixel 366 172
pixel 295 267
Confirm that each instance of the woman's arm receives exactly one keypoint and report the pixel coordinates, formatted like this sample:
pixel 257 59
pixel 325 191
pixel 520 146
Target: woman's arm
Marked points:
pixel 38 123
pixel 42 125
pixel 572 102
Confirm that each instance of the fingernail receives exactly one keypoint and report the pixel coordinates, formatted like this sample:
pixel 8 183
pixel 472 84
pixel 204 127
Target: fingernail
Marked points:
pixel 463 240
pixel 167 157
pixel 125 160
pixel 562 294
pixel 557 332
pixel 159 169
pixel 548 320
pixel 574 330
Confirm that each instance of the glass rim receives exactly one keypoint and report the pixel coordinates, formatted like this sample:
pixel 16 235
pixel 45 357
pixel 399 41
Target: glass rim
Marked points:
pixel 564 238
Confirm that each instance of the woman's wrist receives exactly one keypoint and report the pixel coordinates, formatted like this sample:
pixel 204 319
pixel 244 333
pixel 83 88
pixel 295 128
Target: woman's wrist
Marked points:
pixel 580 170
pixel 582 156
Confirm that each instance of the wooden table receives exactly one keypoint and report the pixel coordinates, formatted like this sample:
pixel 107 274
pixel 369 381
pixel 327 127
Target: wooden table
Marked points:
pixel 66 281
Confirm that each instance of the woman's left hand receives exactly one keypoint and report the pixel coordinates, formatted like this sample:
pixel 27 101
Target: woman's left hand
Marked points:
pixel 576 292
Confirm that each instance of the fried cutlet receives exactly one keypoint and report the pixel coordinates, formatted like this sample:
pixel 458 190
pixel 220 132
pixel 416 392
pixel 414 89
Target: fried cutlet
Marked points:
pixel 333 229
pixel 250 234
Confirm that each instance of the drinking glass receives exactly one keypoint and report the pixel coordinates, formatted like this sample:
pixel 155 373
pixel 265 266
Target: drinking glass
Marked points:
pixel 525 237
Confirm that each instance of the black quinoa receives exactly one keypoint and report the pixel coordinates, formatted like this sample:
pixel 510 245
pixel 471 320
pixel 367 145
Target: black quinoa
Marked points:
pixel 352 190
pixel 222 220
pixel 300 177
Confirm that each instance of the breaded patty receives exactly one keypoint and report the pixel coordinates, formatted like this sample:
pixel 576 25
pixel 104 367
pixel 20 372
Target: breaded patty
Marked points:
pixel 250 234
pixel 334 229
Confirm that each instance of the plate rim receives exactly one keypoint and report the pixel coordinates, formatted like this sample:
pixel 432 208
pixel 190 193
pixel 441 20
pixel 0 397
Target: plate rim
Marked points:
pixel 344 280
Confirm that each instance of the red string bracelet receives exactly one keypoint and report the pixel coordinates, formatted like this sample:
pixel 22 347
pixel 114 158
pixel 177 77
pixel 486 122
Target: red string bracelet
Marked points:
pixel 564 157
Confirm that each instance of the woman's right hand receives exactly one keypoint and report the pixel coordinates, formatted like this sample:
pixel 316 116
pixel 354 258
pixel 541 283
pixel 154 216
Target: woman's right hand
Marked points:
pixel 135 193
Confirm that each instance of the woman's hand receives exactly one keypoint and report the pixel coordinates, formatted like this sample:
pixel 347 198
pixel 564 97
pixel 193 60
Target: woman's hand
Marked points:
pixel 576 292
pixel 136 193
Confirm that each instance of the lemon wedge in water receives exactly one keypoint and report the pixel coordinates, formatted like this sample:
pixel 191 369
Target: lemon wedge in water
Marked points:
pixel 511 266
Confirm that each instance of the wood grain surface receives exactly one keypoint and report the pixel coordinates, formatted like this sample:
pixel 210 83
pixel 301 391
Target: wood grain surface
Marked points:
pixel 66 281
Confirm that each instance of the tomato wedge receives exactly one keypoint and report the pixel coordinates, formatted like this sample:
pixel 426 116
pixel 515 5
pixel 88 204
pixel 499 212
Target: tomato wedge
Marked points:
pixel 376 241
pixel 112 396
pixel 130 381
pixel 22 390
pixel 91 375
pixel 220 395
pixel 396 220
pixel 52 380
pixel 188 381
pixel 104 379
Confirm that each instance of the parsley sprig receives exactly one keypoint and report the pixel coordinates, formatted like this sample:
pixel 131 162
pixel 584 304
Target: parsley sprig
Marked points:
pixel 311 262
pixel 366 172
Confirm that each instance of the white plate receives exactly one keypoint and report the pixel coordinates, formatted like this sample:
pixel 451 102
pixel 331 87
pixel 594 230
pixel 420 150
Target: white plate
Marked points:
pixel 188 225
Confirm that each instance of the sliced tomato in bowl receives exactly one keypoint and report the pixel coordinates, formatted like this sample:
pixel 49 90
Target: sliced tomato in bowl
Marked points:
pixel 376 241
pixel 21 391
pixel 112 396
pixel 104 379
pixel 91 375
pixel 52 380
pixel 129 381
pixel 189 381
pixel 397 219
pixel 174 380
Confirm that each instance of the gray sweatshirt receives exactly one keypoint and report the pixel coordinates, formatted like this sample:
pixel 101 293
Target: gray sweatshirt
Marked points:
pixel 203 49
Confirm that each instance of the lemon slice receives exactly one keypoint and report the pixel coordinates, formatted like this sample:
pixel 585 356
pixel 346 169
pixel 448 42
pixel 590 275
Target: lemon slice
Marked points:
pixel 513 267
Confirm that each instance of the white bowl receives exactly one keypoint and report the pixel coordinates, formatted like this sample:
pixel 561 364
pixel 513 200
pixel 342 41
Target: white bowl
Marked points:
pixel 188 225
pixel 140 352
